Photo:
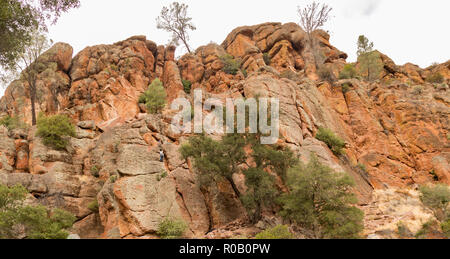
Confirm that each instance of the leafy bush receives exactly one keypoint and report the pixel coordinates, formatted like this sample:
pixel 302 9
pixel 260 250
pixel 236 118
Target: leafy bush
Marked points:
pixel 12 123
pixel 161 176
pixel 335 143
pixel 55 130
pixel 278 232
pixel 155 97
pixel 446 228
pixel 418 90
pixel 403 230
pixel 320 201
pixel 267 59
pixel 38 222
pixel 427 228
pixel 231 65
pixel 244 72
pixel 436 198
pixel 95 170
pixel 261 191
pixel 436 78
pixel 326 74
pixel 345 88
pixel 348 72
pixel 113 178
pixel 93 206
pixel 171 229
pixel 187 85
pixel 362 167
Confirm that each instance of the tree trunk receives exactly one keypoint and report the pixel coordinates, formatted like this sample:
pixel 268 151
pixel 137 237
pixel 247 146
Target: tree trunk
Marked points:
pixel 233 185
pixel 33 105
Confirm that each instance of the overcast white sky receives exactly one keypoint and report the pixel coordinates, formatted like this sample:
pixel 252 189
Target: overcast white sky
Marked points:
pixel 414 31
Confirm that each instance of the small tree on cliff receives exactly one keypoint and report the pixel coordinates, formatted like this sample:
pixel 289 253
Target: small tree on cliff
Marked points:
pixel 216 160
pixel 30 66
pixel 321 201
pixel 18 220
pixel 155 97
pixel 313 17
pixel 174 19
pixel 370 60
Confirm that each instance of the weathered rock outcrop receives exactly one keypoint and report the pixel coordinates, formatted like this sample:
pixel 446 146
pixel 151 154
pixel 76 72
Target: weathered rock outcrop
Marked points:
pixel 400 136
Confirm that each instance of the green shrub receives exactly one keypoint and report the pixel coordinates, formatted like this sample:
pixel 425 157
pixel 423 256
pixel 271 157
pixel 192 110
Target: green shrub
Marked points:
pixel 113 178
pixel 345 88
pixel 436 78
pixel 362 167
pixel 161 176
pixel 335 143
pixel 278 232
pixel 446 228
pixel 93 206
pixel 436 198
pixel 187 85
pixel 171 229
pixel 261 191
pixel 403 230
pixel 267 59
pixel 155 97
pixel 426 229
pixel 326 74
pixel 231 65
pixel 55 130
pixel 244 72
pixel 12 123
pixel 38 221
pixel 95 170
pixel 319 200
pixel 418 90
pixel 348 72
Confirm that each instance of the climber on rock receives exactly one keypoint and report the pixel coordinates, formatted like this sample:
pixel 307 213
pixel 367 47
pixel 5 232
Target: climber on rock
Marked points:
pixel 161 155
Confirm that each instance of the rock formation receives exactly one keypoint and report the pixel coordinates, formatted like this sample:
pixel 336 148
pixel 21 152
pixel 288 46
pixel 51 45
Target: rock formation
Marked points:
pixel 402 138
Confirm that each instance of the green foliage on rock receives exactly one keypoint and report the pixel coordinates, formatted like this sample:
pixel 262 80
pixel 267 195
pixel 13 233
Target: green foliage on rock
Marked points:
pixel 18 220
pixel 93 206
pixel 446 228
pixel 171 228
pixel 187 85
pixel 215 160
pixel 220 159
pixel 155 97
pixel 326 74
pixel 267 59
pixel 261 191
pixel 437 198
pixel 231 65
pixel 349 71
pixel 55 130
pixel 435 78
pixel 277 232
pixel 12 123
pixel 370 63
pixel 320 200
pixel 335 143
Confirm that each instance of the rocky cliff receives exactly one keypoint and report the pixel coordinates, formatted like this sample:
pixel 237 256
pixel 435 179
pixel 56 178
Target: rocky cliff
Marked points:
pixel 401 137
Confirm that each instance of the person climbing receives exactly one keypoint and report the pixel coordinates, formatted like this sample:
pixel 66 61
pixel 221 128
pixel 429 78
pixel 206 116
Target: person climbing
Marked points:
pixel 161 155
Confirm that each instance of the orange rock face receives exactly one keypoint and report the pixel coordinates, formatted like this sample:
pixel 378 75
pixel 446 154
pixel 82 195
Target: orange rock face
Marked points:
pixel 398 132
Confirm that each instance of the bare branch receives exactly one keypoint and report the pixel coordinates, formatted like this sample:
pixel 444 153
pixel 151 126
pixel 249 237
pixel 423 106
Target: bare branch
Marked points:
pixel 314 16
pixel 175 20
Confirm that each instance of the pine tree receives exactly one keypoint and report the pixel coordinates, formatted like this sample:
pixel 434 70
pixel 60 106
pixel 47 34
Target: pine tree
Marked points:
pixel 369 60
